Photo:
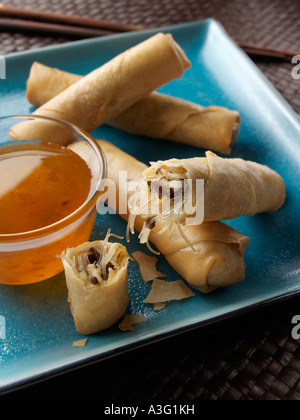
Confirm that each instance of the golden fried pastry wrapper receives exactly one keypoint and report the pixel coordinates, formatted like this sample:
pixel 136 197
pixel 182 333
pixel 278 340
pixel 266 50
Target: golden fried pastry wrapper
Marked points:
pixel 147 266
pixel 165 291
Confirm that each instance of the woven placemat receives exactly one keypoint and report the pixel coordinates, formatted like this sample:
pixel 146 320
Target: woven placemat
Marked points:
pixel 250 357
pixel 269 23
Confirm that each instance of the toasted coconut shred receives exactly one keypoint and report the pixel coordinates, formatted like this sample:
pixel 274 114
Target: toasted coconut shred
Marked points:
pixel 163 291
pixel 129 320
pixel 160 198
pixel 80 343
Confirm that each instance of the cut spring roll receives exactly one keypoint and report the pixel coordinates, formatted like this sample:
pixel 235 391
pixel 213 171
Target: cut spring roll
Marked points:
pixel 96 278
pixel 157 115
pixel 232 188
pixel 216 258
pixel 112 88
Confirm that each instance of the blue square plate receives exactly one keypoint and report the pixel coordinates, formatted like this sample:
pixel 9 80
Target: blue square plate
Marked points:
pixel 36 327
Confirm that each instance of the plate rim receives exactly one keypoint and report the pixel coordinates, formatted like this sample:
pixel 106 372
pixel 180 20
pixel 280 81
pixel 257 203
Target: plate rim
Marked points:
pixel 78 363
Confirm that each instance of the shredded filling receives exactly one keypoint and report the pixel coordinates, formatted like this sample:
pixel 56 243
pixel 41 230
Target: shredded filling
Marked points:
pixel 161 197
pixel 97 261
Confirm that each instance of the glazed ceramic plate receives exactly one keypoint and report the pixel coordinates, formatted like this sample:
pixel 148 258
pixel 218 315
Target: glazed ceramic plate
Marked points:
pixel 36 327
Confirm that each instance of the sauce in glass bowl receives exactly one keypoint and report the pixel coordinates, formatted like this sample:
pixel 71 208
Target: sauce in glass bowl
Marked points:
pixel 48 195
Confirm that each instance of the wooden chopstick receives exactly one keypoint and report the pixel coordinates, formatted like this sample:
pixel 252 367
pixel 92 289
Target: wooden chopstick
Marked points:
pixel 266 53
pixel 9 25
pixel 65 19
pixel 44 22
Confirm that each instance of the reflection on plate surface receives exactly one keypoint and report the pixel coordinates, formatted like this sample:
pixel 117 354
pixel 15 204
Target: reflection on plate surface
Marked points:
pixel 39 329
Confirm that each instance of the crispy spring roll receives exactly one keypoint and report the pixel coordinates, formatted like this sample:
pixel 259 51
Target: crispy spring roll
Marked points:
pixel 232 188
pixel 112 88
pixel 157 115
pixel 96 278
pixel 216 258
pixel 165 117
pixel 44 83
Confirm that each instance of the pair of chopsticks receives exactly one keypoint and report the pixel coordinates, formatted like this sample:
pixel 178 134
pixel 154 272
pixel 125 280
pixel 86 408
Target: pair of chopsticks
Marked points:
pixel 44 22
pixel 269 54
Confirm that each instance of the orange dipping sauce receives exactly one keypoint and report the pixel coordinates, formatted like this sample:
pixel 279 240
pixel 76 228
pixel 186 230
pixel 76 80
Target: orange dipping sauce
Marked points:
pixel 40 185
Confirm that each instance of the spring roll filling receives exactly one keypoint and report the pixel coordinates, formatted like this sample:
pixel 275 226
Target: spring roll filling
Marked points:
pixel 97 264
pixel 163 196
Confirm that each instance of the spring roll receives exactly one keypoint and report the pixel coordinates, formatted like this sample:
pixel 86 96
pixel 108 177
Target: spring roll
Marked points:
pixel 216 257
pixel 232 188
pixel 157 115
pixel 96 278
pixel 112 88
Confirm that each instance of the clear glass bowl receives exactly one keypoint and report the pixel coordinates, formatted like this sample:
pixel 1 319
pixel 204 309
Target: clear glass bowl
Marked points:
pixel 30 257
